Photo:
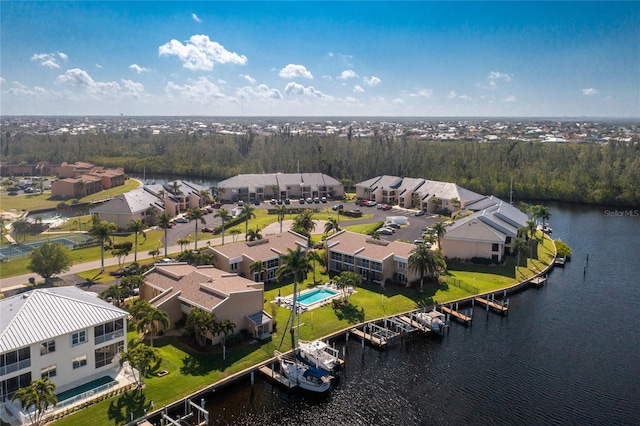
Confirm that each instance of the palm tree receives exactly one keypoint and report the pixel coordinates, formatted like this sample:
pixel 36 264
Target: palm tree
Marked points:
pixel 102 232
pixel 314 257
pixel 224 215
pixel 253 235
pixel 346 280
pixel 518 247
pixel 204 196
pixel 530 230
pixel 257 268
pixel 281 211
pixel 121 253
pixel 20 228
pixel 424 261
pixel 164 220
pixel 331 225
pixel 162 194
pixel 183 242
pixel 297 264
pixel 235 233
pixel 455 202
pixel 137 226
pixel 114 292
pixel 200 323
pixel 40 394
pixel 150 321
pixel 215 192
pixel 152 213
pixel 439 230
pixel 154 253
pixel 140 357
pixel 174 187
pixel 436 202
pixel 305 221
pixel 198 216
pixel 226 327
pixel 247 211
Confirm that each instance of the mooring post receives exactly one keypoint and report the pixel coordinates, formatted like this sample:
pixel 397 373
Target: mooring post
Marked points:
pixel 346 336
pixel 252 378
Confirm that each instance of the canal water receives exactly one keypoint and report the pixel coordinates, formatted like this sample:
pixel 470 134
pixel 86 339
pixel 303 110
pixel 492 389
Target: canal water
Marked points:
pixel 568 353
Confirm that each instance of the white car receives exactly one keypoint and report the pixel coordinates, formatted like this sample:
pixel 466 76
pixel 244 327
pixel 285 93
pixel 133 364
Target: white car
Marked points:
pixel 386 231
pixel 371 203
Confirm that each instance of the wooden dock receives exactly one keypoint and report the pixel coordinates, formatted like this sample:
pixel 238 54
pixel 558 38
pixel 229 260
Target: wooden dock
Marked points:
pixel 500 308
pixel 276 376
pixel 369 337
pixel 538 281
pixel 459 316
pixel 416 325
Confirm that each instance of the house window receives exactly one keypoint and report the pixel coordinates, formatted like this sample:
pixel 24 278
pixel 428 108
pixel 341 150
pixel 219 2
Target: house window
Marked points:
pixel 10 386
pixel 79 361
pixel 48 371
pixel 104 355
pixel 78 338
pixel 47 347
pixel 15 360
pixel 494 257
pixel 402 265
pixel 495 247
pixel 233 267
pixel 108 331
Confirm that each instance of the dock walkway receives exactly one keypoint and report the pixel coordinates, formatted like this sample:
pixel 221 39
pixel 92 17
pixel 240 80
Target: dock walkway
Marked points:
pixel 501 308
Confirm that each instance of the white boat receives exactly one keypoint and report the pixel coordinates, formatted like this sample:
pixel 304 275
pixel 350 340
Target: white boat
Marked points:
pixel 434 320
pixel 320 354
pixel 309 378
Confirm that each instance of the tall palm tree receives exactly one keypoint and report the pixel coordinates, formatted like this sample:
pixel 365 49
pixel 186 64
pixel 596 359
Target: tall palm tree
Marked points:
pixel 140 357
pixel 518 247
pixel 215 192
pixel 424 261
pixel 297 264
pixel 529 231
pixel 198 216
pixel 543 213
pixel 174 187
pixel 40 394
pixel 248 212
pixel 152 213
pixel 257 268
pixel 225 328
pixel 200 323
pixel 162 194
pixel 20 228
pixel 331 225
pixel 164 220
pixel 205 197
pixel 315 258
pixel 439 230
pixel 102 232
pixel 304 221
pixel 137 226
pixel 224 216
pixel 281 211
pixel 150 321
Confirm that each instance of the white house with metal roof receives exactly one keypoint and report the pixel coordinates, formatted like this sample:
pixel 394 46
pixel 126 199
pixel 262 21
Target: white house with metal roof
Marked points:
pixel 66 334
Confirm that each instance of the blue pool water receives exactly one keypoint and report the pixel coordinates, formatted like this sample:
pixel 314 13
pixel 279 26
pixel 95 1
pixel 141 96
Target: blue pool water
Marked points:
pixel 84 388
pixel 316 296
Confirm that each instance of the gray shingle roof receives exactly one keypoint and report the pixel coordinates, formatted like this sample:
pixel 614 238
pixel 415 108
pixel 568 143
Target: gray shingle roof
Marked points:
pixel 43 314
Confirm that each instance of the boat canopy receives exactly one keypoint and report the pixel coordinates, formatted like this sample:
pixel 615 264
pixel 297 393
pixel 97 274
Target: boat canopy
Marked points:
pixel 316 372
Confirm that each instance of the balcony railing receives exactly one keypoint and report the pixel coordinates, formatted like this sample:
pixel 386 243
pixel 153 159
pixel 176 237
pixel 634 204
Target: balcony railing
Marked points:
pixel 109 336
pixel 13 367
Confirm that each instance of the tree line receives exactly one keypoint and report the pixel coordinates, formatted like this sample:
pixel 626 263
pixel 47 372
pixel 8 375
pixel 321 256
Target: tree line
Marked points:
pixel 594 173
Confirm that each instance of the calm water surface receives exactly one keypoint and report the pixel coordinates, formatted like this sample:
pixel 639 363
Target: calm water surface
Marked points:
pixel 568 353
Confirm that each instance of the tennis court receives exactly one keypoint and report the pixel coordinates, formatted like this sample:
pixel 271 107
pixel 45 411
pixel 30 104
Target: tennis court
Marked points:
pixel 21 250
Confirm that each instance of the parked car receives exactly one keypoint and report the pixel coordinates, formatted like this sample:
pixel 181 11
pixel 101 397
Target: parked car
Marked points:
pixel 420 213
pixel 386 207
pixel 337 207
pixel 316 200
pixel 181 220
pixel 371 203
pixel 309 200
pixel 272 202
pixel 256 202
pixel 392 225
pixel 280 201
pixel 301 200
pixel 323 199
pixel 385 231
pixel 240 203
pixel 287 201
pixel 217 205
pixel 207 229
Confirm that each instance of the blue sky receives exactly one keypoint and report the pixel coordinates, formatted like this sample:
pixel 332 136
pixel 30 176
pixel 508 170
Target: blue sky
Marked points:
pixel 542 59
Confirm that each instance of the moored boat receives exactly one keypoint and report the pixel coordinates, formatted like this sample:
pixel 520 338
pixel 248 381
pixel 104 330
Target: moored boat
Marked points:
pixel 433 319
pixel 304 376
pixel 319 354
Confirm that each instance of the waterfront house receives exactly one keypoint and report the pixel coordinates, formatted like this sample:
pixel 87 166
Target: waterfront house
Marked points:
pixel 185 195
pixel 176 288
pixel 260 187
pixel 66 334
pixel 238 257
pixel 374 260
pixel 486 233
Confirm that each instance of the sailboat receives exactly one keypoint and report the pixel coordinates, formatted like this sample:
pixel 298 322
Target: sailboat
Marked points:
pixel 310 378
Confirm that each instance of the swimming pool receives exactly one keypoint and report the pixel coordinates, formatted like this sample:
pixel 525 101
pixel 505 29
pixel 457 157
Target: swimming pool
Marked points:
pixel 315 296
pixel 87 389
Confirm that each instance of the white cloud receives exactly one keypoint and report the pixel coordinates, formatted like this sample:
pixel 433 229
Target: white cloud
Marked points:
pixel 397 101
pixel 295 89
pixel 201 90
pixel 50 60
pixel 196 18
pixel 80 79
pixel 497 75
pixel 452 95
pixel 259 92
pixel 137 68
pixel 358 89
pixel 347 74
pixel 371 81
pixel 511 98
pixel 133 89
pixel 200 53
pixel 293 71
pixel 423 93
pixel 590 91
pixel 98 66
pixel 248 78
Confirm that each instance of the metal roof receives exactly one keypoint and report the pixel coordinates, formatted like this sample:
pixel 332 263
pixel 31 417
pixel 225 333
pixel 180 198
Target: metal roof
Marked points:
pixel 43 314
